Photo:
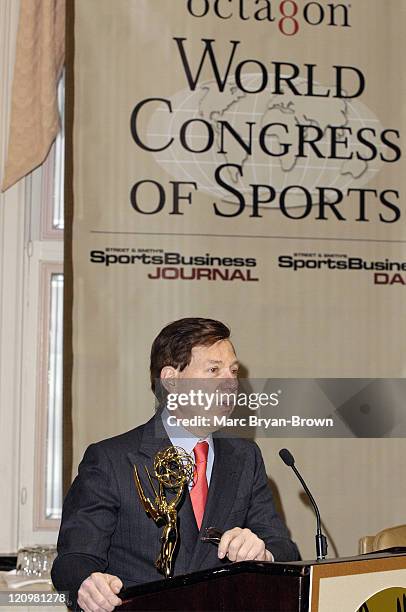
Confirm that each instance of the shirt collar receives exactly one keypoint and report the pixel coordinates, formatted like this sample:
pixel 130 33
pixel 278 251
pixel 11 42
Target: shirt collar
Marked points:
pixel 179 436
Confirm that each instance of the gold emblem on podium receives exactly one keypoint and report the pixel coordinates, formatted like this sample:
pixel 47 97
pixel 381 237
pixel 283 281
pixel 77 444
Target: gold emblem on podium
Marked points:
pixel 392 599
pixel 173 469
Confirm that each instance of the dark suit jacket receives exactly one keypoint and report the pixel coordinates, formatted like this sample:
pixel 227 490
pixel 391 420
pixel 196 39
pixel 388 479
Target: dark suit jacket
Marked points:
pixel 105 528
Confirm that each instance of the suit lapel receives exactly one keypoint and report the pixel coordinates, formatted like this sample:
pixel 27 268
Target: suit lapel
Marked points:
pixel 187 525
pixel 154 437
pixel 222 491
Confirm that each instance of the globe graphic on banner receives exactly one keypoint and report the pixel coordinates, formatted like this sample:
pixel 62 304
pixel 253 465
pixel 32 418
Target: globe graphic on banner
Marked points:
pixel 277 119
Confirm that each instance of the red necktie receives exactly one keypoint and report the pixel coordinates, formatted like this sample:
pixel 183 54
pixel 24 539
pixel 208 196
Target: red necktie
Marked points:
pixel 198 493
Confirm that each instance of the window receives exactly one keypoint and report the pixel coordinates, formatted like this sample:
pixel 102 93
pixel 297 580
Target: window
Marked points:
pixel 54 404
pixel 48 472
pixel 41 480
pixel 52 209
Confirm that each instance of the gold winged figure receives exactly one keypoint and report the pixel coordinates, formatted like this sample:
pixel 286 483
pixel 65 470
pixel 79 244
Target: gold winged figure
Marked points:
pixel 173 469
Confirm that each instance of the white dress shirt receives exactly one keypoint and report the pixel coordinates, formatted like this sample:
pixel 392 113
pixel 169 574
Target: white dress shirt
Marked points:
pixel 179 436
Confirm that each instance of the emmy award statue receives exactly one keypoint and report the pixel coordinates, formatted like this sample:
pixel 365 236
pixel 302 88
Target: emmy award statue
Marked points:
pixel 173 469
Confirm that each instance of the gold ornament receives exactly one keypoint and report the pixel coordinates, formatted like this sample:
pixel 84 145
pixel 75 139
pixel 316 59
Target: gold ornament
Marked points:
pixel 173 469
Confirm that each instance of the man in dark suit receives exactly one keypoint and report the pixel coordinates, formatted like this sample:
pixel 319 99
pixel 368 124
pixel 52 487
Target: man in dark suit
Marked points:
pixel 106 539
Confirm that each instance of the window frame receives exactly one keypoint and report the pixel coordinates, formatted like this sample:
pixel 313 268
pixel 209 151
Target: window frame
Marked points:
pixel 47 269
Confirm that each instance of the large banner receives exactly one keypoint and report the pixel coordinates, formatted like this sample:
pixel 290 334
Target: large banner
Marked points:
pixel 242 160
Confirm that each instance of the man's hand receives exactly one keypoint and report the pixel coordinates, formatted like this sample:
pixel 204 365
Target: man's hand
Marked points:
pixel 243 545
pixel 98 593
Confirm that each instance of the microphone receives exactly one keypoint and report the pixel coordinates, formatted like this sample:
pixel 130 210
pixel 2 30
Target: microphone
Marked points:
pixel 321 540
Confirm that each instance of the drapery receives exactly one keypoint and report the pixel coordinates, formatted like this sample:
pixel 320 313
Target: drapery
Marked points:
pixel 39 61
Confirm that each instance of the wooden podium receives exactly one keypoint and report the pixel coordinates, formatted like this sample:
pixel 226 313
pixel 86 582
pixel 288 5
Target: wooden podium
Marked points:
pixel 333 585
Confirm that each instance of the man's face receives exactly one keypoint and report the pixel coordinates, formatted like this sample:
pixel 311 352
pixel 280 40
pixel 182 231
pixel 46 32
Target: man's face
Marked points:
pixel 212 371
pixel 215 361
